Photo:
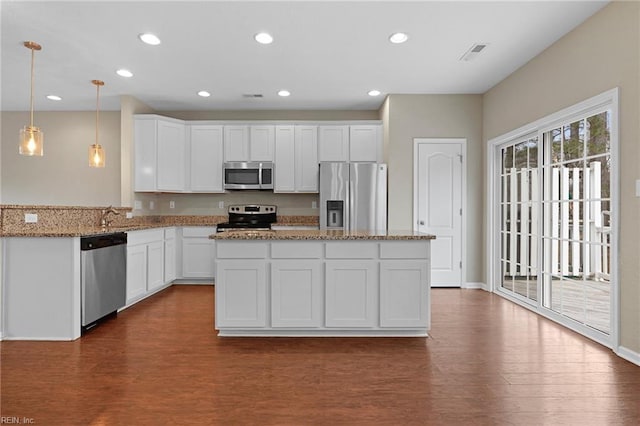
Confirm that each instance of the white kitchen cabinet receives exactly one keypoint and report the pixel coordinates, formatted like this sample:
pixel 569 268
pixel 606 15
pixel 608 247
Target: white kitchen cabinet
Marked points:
pixel 296 294
pixel 155 265
pixel 306 159
pixel 351 287
pixel 404 293
pixel 136 272
pixel 359 287
pixel 170 255
pixel 145 263
pixel 236 143
pixel 249 143
pixel 365 143
pixel 159 154
pixel 285 159
pixel 261 143
pixel 241 302
pixel 333 143
pixel 198 252
pixel 296 159
pixel 206 158
pixel 171 156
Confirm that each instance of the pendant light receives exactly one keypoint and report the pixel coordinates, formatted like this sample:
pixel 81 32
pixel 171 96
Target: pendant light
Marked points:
pixel 96 152
pixel 31 137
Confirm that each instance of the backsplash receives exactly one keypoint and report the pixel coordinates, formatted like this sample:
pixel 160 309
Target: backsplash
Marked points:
pixel 209 204
pixel 12 218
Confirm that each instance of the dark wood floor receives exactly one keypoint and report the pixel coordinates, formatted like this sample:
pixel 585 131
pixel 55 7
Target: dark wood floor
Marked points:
pixel 488 362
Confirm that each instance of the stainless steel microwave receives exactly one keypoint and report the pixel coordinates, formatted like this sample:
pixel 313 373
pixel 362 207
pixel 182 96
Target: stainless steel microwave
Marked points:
pixel 248 175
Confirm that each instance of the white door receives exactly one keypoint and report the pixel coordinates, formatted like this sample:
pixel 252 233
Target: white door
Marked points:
pixel 438 201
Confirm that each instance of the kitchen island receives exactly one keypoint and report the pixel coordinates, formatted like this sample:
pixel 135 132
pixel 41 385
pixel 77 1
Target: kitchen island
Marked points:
pixel 322 283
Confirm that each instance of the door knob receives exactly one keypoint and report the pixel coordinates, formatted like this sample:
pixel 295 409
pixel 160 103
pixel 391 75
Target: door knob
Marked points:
pixel 421 222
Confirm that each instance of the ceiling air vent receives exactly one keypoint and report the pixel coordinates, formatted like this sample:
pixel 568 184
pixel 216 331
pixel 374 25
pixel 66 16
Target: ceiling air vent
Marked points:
pixel 252 95
pixel 473 51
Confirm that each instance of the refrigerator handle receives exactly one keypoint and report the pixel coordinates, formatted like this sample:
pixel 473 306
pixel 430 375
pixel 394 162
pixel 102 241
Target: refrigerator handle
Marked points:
pixel 350 224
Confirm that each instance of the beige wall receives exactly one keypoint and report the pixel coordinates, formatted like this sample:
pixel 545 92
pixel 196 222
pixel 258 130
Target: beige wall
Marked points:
pixel 599 55
pixel 435 116
pixel 62 176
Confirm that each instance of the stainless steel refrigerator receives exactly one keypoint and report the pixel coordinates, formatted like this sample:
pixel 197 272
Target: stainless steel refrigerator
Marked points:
pixel 353 196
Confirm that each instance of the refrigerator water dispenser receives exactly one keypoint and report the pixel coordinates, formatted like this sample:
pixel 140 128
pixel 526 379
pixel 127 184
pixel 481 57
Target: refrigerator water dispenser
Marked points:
pixel 335 213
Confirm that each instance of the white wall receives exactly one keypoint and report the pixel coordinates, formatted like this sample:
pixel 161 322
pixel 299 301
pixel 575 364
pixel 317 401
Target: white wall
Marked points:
pixel 62 176
pixel 600 54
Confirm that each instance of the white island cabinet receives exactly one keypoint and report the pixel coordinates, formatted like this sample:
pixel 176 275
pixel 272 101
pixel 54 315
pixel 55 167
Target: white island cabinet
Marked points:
pixel 319 283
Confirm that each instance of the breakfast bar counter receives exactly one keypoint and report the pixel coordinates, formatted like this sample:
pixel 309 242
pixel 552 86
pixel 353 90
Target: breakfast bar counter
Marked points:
pixel 322 283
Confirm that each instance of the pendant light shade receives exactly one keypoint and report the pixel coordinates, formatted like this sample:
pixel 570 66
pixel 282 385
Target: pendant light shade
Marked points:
pixel 96 152
pixel 31 138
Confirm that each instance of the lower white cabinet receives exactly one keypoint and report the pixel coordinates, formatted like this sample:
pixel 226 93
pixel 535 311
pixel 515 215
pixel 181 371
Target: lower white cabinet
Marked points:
pixel 404 292
pixel 145 263
pixel 155 265
pixel 241 302
pixel 170 255
pixel 198 252
pixel 136 272
pixel 350 293
pixel 296 294
pixel 324 288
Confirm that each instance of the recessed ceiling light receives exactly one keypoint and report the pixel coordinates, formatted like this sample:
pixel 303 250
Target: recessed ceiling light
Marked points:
pixel 374 93
pixel 263 38
pixel 149 38
pixel 124 73
pixel 397 38
pixel 54 98
pixel 284 93
pixel 204 94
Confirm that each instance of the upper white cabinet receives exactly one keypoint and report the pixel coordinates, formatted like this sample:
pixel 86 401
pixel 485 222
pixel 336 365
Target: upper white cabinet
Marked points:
pixel 296 159
pixel 159 154
pixel 365 143
pixel 206 158
pixel 261 143
pixel 353 143
pixel 236 143
pixel 249 143
pixel 333 143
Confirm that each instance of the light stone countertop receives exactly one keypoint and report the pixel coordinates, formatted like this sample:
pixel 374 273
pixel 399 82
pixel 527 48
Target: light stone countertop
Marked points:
pixel 319 235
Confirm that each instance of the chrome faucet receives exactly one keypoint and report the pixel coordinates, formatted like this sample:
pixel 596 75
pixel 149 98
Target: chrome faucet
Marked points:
pixel 103 216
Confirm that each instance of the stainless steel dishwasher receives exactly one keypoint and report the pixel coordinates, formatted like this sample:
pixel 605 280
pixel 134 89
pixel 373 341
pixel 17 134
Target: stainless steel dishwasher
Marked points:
pixel 103 276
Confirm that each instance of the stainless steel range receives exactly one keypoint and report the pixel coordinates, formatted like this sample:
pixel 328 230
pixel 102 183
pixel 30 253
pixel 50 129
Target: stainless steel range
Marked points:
pixel 249 216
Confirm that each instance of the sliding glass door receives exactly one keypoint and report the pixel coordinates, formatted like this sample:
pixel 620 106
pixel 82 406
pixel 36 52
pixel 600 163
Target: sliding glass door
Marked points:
pixel 554 212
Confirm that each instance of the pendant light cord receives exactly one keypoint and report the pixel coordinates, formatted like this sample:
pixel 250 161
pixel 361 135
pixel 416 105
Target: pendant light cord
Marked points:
pixel 97 109
pixel 31 99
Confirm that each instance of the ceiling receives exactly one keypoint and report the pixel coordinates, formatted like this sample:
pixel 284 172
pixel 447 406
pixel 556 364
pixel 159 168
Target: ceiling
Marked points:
pixel 328 54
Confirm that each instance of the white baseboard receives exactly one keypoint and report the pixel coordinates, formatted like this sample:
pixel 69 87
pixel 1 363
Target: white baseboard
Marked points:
pixel 629 355
pixel 475 285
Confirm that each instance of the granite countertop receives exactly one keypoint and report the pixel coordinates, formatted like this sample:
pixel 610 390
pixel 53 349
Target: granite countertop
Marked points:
pixel 320 235
pixel 83 231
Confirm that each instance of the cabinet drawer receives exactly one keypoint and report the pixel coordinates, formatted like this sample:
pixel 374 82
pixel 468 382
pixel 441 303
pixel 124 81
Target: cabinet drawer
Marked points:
pixel 296 250
pixel 198 231
pixel 352 250
pixel 404 250
pixel 169 233
pixel 144 237
pixel 241 250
